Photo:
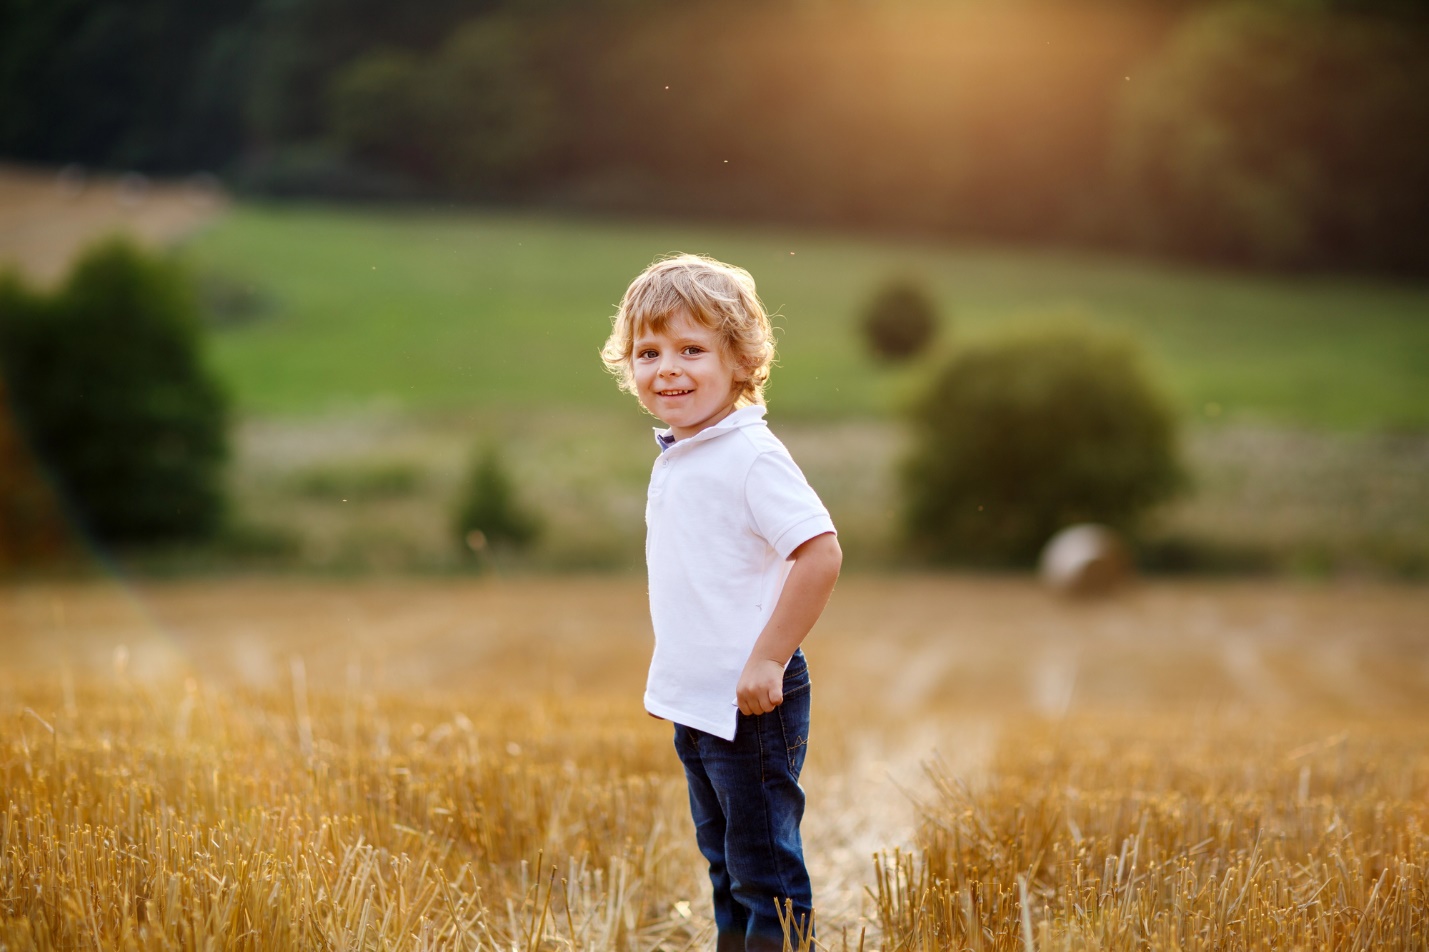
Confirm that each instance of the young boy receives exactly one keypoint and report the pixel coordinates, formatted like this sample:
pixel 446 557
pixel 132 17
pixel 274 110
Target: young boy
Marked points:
pixel 742 559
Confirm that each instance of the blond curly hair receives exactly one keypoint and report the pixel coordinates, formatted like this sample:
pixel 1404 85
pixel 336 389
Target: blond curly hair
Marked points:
pixel 719 296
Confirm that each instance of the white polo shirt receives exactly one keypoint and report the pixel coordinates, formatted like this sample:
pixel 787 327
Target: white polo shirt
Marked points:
pixel 725 509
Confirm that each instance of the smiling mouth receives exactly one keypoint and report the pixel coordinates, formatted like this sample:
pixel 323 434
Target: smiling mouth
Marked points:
pixel 673 393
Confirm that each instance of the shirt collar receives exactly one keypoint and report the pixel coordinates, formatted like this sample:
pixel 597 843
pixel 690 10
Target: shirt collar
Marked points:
pixel 752 415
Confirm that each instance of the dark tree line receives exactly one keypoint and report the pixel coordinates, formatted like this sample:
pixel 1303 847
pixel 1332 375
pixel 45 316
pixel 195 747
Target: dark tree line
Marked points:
pixel 148 84
pixel 1263 132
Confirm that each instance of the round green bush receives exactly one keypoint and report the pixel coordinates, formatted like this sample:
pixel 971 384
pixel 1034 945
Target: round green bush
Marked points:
pixel 1019 437
pixel 109 387
pixel 900 320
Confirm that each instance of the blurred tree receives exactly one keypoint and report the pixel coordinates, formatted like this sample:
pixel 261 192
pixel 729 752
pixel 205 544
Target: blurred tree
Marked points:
pixel 479 114
pixel 152 84
pixel 494 116
pixel 1019 437
pixel 1266 135
pixel 109 387
pixel 373 111
pixel 489 514
pixel 32 526
pixel 985 118
pixel 900 320
pixel 303 44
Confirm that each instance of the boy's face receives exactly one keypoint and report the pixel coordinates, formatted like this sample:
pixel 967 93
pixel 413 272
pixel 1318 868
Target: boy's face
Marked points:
pixel 682 376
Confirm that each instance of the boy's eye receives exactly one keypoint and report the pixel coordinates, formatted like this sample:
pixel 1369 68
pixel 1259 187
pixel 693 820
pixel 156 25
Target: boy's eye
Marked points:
pixel 647 352
pixel 694 349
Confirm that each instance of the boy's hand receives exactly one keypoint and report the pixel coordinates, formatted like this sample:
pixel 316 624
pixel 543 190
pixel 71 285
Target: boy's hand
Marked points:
pixel 806 592
pixel 761 686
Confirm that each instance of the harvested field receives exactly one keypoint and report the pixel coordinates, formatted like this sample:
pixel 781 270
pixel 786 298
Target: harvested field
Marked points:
pixel 464 764
pixel 47 217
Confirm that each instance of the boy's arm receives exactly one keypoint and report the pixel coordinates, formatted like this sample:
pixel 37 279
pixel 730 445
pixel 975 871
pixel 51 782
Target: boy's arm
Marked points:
pixel 806 592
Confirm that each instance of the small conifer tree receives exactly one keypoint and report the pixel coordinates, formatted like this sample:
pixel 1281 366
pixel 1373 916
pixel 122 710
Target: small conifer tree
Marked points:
pixel 489 514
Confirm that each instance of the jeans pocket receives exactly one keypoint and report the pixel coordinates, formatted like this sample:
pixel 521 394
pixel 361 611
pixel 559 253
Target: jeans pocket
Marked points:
pixel 794 723
pixel 796 676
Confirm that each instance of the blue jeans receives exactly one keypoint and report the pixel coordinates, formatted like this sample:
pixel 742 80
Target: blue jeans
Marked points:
pixel 747 803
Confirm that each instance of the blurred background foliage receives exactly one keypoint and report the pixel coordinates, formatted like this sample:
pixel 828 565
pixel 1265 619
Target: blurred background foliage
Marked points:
pixel 900 320
pixel 467 186
pixel 491 518
pixel 1264 132
pixel 108 385
pixel 1023 435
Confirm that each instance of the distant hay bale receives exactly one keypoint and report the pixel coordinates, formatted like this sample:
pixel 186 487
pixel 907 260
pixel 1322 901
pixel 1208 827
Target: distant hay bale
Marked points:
pixel 1086 559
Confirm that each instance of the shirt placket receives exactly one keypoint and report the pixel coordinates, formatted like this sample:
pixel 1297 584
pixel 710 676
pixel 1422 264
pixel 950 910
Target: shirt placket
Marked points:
pixel 655 499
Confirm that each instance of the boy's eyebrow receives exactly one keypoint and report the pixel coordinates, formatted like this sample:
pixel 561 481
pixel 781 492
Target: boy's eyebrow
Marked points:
pixel 645 341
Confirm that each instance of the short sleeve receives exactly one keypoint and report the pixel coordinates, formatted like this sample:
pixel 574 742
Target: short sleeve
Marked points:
pixel 783 507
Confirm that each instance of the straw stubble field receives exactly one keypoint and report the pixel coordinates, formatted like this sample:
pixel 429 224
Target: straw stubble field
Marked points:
pixel 464 764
